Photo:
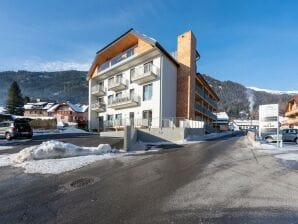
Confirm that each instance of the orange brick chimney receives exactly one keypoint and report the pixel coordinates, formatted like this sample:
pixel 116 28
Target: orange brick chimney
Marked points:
pixel 186 57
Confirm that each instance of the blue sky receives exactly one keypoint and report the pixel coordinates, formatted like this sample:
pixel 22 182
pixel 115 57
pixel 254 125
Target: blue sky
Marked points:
pixel 252 42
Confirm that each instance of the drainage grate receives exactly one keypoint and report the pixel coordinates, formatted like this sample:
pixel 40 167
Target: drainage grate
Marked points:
pixel 81 182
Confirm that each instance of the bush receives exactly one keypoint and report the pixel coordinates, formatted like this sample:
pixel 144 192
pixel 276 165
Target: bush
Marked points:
pixel 44 124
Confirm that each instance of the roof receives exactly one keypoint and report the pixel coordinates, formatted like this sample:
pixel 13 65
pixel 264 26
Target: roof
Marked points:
pixel 38 105
pixel 147 39
pixel 295 98
pixel 75 107
pixel 246 122
pixel 222 116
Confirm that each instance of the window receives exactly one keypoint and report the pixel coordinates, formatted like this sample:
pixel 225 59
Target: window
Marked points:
pixel 100 85
pixel 148 67
pixel 119 78
pixel 109 117
pixel 132 73
pixel 118 119
pixel 110 99
pixel 147 117
pixel 110 81
pixel 118 95
pixel 131 93
pixel 147 92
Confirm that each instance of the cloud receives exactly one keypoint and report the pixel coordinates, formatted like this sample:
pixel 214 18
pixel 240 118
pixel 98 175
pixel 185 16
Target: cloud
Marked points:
pixel 37 65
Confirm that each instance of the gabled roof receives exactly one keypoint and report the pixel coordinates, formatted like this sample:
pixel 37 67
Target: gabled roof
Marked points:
pixel 75 107
pixel 139 35
pixel 295 98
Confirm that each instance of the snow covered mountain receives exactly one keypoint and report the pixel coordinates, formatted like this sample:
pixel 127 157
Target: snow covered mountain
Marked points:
pixel 277 92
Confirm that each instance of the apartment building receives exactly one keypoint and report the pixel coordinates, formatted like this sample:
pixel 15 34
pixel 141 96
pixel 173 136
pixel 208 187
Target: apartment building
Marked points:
pixel 134 80
pixel 291 114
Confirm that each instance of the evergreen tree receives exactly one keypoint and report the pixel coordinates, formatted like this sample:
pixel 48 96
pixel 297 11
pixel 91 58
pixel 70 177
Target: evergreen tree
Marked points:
pixel 26 99
pixel 15 102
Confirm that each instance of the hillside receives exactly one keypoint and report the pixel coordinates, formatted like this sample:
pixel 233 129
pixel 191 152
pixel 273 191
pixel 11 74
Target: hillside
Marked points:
pixel 72 86
pixel 57 86
pixel 234 97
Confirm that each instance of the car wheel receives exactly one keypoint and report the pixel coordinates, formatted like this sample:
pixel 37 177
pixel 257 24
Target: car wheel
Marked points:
pixel 296 140
pixel 8 136
pixel 269 140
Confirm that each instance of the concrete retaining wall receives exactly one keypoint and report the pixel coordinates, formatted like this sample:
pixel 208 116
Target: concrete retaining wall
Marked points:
pixel 117 134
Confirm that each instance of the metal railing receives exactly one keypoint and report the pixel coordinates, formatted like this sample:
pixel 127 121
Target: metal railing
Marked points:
pixel 142 71
pixel 97 88
pixel 117 82
pixel 205 111
pixel 205 96
pixel 125 98
pixel 115 60
pixel 209 128
pixel 98 105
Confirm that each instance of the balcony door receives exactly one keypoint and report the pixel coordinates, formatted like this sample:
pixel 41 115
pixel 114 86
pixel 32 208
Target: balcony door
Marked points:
pixel 147 117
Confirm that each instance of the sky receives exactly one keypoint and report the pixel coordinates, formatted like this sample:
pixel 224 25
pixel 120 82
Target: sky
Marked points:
pixel 253 42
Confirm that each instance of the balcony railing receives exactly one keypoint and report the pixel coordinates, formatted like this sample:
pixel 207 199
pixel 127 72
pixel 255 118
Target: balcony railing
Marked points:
pixel 205 111
pixel 124 102
pixel 292 113
pixel 115 60
pixel 205 96
pixel 117 84
pixel 145 73
pixel 98 90
pixel 98 106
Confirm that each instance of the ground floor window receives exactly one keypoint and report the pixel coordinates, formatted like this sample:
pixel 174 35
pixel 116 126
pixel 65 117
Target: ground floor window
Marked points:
pixel 147 117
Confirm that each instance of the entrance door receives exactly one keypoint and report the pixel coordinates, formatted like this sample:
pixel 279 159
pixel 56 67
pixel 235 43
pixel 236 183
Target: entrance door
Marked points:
pixel 132 118
pixel 100 123
pixel 147 117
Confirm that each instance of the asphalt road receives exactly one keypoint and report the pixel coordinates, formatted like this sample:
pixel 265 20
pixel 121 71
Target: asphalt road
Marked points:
pixel 223 181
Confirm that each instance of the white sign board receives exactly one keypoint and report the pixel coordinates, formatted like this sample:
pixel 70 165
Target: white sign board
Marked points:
pixel 268 119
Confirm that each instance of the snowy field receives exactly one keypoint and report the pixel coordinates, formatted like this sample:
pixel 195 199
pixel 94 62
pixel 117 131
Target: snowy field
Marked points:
pixel 289 151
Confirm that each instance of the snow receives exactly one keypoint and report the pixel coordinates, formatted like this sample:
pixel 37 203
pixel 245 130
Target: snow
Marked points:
pixel 55 157
pixel 2 109
pixel 56 149
pixel 222 116
pixel 276 92
pixel 5 147
pixel 67 130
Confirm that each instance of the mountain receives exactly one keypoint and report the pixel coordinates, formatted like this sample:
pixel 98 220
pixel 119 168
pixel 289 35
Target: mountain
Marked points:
pixel 56 86
pixel 72 86
pixel 234 97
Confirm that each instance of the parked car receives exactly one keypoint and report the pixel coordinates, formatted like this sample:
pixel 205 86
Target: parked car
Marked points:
pixel 288 135
pixel 15 129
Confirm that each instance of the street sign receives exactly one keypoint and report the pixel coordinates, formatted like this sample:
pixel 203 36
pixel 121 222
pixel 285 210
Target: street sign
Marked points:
pixel 269 119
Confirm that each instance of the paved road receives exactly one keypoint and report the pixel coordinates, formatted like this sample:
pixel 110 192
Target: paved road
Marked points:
pixel 221 181
pixel 80 139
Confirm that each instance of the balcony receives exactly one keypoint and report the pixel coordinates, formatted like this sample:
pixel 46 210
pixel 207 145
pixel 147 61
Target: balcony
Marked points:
pixel 98 90
pixel 117 59
pixel 145 73
pixel 200 91
pixel 124 102
pixel 117 84
pixel 205 111
pixel 98 107
pixel 292 113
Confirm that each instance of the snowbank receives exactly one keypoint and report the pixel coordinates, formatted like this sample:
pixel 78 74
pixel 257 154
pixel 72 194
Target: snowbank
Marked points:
pixel 68 130
pixel 56 149
pixel 54 157
pixel 5 147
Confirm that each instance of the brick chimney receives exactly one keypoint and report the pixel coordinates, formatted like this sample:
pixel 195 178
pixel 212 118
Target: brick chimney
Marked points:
pixel 186 57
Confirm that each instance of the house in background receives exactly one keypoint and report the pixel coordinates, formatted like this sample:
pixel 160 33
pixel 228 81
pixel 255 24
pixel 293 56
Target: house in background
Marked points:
pixel 70 114
pixel 37 109
pixel 135 81
pixel 244 124
pixel 291 114
pixel 222 121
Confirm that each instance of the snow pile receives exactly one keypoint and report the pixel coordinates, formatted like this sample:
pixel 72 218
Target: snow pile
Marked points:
pixel 67 130
pixel 55 149
pixel 5 147
pixel 70 130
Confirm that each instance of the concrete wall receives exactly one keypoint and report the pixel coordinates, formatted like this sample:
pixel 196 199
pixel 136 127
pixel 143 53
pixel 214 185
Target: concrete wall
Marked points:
pixel 167 134
pixel 118 134
pixel 130 137
pixel 168 88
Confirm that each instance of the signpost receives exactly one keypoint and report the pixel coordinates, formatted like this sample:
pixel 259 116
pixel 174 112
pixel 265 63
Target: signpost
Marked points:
pixel 269 120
